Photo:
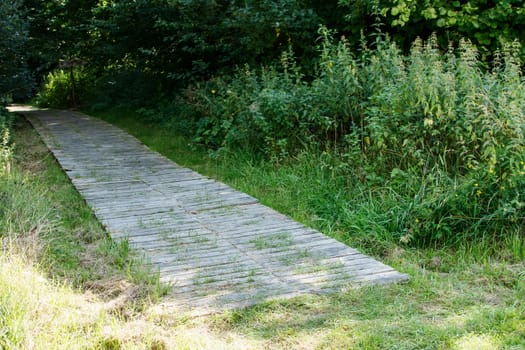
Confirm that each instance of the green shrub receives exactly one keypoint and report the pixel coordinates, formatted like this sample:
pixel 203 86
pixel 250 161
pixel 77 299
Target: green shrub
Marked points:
pixel 274 111
pixel 57 91
pixel 441 113
pixel 444 135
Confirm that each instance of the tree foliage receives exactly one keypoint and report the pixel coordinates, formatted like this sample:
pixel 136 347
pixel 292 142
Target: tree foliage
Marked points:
pixel 58 30
pixel 14 74
pixel 192 39
pixel 488 24
pixel 177 41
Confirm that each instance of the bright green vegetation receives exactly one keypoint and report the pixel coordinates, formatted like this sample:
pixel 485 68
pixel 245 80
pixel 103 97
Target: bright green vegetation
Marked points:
pixel 486 23
pixel 5 143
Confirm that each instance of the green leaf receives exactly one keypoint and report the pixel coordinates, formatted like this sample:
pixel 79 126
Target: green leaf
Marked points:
pixel 429 13
pixel 395 11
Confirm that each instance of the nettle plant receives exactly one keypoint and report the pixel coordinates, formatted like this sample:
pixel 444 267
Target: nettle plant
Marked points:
pixel 269 111
pixel 433 126
pixel 275 111
pixel 461 130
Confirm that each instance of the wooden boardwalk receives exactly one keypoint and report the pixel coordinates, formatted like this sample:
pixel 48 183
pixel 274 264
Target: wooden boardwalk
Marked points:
pixel 219 248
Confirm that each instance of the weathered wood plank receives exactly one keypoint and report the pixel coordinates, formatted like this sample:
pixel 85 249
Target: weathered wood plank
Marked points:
pixel 219 247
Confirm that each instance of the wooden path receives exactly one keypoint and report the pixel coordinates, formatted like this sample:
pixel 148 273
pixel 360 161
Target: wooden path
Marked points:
pixel 219 248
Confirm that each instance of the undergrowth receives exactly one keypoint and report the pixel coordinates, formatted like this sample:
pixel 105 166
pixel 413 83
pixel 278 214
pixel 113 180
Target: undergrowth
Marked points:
pixel 461 297
pixel 5 143
pixel 431 133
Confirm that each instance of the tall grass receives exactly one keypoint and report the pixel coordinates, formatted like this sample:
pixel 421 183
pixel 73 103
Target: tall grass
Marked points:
pixel 37 314
pixel 461 130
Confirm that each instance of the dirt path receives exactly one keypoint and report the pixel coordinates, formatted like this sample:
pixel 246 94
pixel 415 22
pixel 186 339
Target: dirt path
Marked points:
pixel 219 248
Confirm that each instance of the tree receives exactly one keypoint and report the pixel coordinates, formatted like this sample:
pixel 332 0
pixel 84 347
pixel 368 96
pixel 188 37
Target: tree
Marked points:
pixel 198 38
pixel 14 73
pixel 57 30
pixel 488 24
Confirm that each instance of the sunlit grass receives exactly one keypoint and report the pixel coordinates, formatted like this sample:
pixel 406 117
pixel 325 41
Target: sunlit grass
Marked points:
pixel 455 298
pixel 62 280
pixel 39 314
pixel 471 294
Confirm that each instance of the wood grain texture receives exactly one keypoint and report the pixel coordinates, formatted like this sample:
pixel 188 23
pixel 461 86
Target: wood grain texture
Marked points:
pixel 218 248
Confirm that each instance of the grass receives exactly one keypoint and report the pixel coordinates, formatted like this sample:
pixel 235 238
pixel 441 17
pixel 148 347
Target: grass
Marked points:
pixel 463 298
pixel 457 297
pixel 278 240
pixel 57 263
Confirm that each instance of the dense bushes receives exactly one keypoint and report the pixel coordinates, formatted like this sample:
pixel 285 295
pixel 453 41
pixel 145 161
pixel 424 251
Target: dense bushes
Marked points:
pixel 275 111
pixel 432 126
pixel 488 24
pixel 443 115
pixel 57 90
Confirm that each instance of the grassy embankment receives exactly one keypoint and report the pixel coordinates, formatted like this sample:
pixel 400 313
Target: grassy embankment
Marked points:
pixel 431 184
pixel 64 285
pixel 466 297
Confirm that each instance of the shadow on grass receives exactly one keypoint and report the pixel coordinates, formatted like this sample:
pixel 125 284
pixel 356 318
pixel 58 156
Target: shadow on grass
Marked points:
pixel 431 311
